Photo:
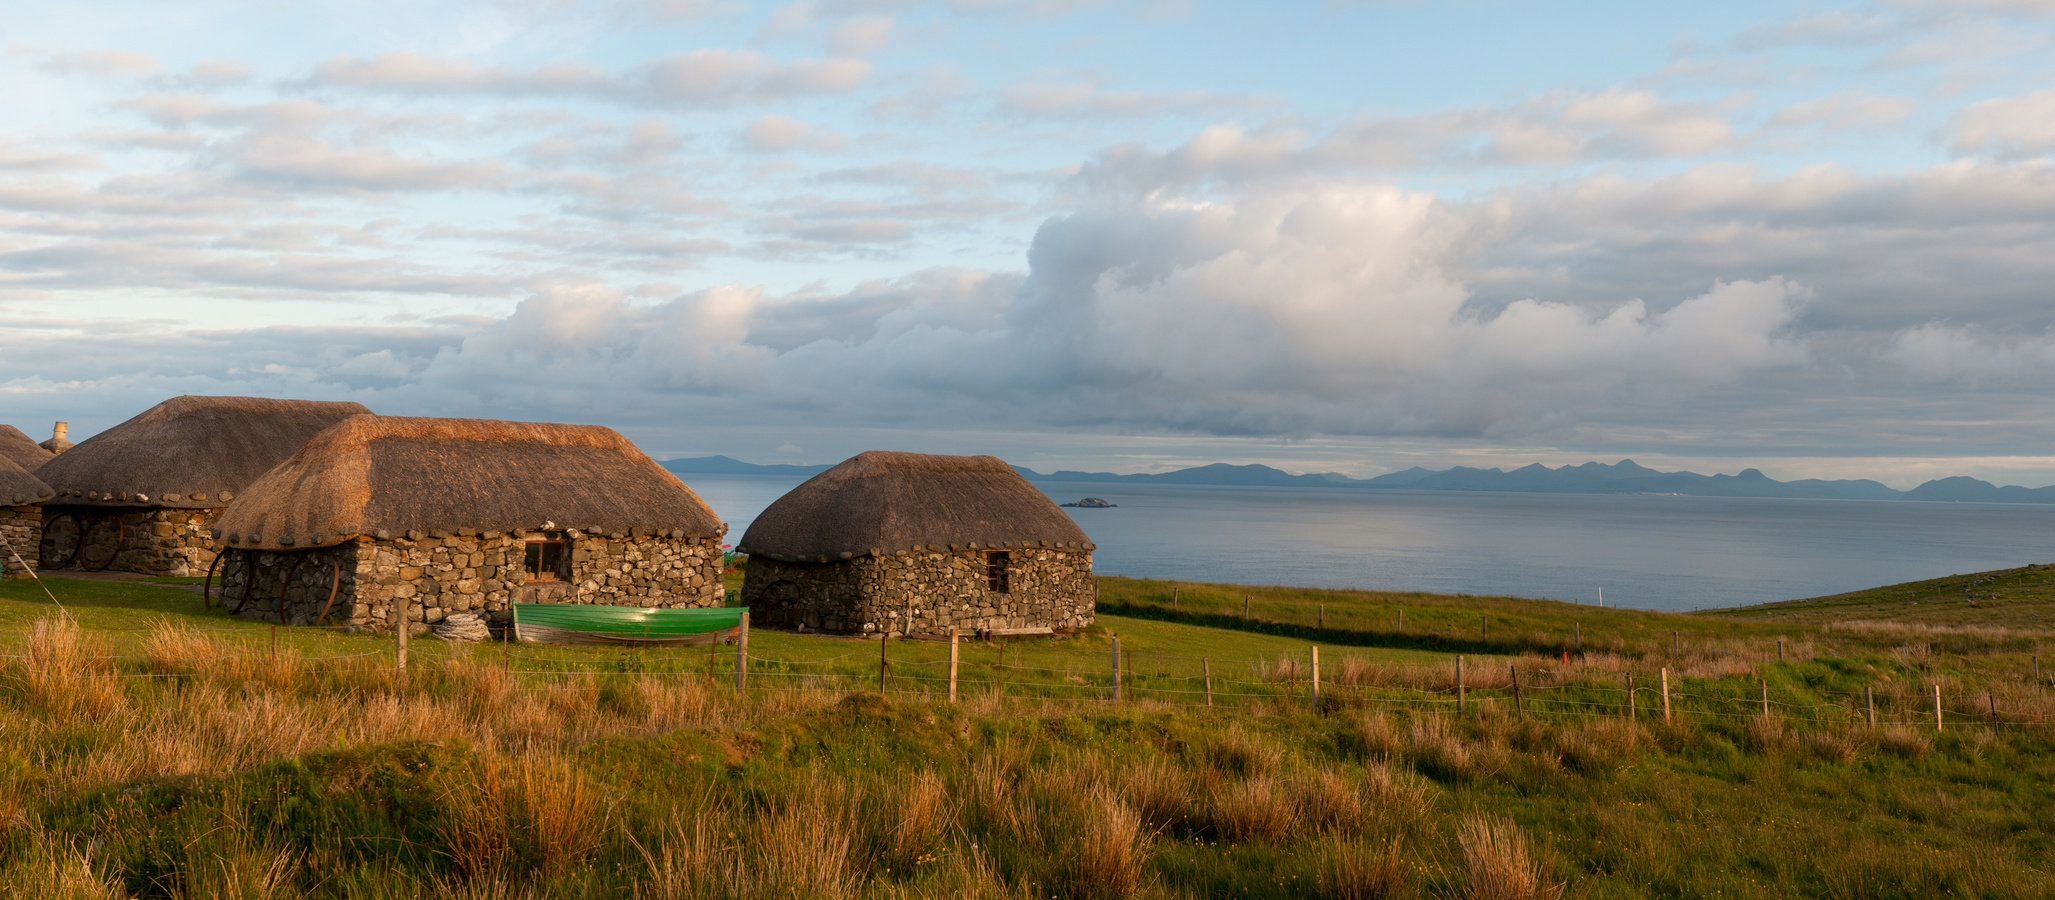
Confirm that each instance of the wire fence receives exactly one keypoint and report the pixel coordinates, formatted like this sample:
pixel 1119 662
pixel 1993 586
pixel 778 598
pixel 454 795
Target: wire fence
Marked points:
pixel 1047 672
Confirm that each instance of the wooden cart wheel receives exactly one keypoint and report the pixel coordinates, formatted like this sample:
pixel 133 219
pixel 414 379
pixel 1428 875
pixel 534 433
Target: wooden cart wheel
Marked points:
pixel 51 552
pixel 286 584
pixel 207 587
pixel 100 526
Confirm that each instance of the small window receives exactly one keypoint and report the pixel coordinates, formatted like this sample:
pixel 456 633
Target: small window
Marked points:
pixel 995 571
pixel 545 560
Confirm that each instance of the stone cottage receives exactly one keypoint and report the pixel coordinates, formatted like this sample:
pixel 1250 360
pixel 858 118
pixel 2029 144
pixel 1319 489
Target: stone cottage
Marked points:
pixel 141 496
pixel 439 516
pixel 911 543
pixel 21 517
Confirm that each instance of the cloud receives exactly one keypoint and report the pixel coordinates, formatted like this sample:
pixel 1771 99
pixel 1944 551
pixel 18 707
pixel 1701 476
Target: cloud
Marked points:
pixel 706 77
pixel 1042 98
pixel 101 63
pixel 1559 128
pixel 2008 127
pixel 1972 357
pixel 1321 311
pixel 860 35
pixel 774 133
pixel 1848 110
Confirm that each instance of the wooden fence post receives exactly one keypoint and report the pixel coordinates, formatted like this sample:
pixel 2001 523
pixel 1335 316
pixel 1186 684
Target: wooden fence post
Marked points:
pixel 1780 649
pixel 1666 694
pixel 401 629
pixel 1173 598
pixel 1206 665
pixel 1765 698
pixel 1992 699
pixel 2037 668
pixel 1321 620
pixel 1484 628
pixel 1459 684
pixel 1869 705
pixel 952 664
pixel 1632 713
pixel 1577 632
pixel 1116 668
pixel 1245 606
pixel 1673 643
pixel 1316 677
pixel 1519 708
pixel 1402 620
pixel 884 637
pixel 1937 707
pixel 742 652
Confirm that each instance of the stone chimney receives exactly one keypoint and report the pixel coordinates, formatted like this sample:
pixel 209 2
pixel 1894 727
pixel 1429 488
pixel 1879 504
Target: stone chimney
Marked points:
pixel 57 442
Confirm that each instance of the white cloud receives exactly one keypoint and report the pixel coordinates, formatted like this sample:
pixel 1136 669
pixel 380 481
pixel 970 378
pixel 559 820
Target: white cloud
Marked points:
pixel 2008 127
pixel 705 77
pixel 1848 110
pixel 101 63
pixel 773 133
pixel 860 35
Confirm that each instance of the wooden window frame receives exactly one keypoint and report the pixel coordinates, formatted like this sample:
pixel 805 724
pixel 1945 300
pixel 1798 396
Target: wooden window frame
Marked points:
pixel 556 576
pixel 999 571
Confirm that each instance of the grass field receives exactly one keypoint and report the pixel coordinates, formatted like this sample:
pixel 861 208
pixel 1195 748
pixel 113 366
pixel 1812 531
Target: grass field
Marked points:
pixel 157 748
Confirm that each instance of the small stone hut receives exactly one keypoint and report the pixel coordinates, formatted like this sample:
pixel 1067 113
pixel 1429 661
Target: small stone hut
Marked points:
pixel 141 496
pixel 21 517
pixel 439 516
pixel 912 543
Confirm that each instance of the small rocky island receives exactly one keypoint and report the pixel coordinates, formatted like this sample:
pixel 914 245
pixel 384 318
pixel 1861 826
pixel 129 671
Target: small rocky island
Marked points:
pixel 1091 503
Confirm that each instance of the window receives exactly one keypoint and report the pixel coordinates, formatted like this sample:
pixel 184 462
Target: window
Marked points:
pixel 545 560
pixel 995 570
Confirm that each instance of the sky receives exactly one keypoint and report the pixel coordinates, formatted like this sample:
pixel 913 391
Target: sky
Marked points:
pixel 1354 237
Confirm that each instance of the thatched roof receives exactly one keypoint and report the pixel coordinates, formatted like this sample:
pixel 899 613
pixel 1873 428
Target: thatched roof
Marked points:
pixel 18 487
pixel 881 502
pixel 189 452
pixel 385 476
pixel 21 449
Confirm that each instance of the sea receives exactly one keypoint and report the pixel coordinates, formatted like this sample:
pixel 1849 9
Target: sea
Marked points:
pixel 1638 551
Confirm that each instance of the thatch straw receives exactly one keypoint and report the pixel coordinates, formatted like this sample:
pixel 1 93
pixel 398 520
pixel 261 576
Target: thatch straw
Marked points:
pixel 385 476
pixel 21 449
pixel 18 487
pixel 189 452
pixel 881 502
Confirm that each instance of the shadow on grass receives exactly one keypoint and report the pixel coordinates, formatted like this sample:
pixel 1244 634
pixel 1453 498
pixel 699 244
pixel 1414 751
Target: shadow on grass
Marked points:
pixel 1341 637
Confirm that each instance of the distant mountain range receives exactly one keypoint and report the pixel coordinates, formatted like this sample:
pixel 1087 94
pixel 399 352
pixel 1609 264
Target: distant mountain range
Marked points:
pixel 1623 477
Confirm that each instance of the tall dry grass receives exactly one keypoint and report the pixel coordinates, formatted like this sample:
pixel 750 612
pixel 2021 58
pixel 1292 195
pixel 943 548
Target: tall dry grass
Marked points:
pixel 1499 863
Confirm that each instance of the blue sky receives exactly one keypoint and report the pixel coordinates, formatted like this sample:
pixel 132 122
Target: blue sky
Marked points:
pixel 1326 236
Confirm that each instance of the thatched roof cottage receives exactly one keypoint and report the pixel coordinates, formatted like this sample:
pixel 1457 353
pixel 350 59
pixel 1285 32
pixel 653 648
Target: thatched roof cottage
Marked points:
pixel 464 515
pixel 912 543
pixel 21 516
pixel 21 450
pixel 141 496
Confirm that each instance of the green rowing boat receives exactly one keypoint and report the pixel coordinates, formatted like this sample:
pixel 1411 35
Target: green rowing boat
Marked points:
pixel 579 623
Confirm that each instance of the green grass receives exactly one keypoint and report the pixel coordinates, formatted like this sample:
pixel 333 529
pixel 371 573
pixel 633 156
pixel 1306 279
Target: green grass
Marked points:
pixel 204 765
pixel 2007 598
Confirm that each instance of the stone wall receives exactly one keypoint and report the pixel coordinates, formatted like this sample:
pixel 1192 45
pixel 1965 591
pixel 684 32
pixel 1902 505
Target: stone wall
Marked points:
pixel 925 592
pixel 467 572
pixel 22 526
pixel 153 541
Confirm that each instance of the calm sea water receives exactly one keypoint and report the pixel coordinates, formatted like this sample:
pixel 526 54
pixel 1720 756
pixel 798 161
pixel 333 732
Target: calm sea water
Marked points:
pixel 1648 552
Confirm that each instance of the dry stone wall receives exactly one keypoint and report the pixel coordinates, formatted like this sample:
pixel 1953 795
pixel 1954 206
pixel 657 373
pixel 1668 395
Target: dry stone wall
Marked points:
pixel 153 541
pixel 466 572
pixel 925 592
pixel 22 526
